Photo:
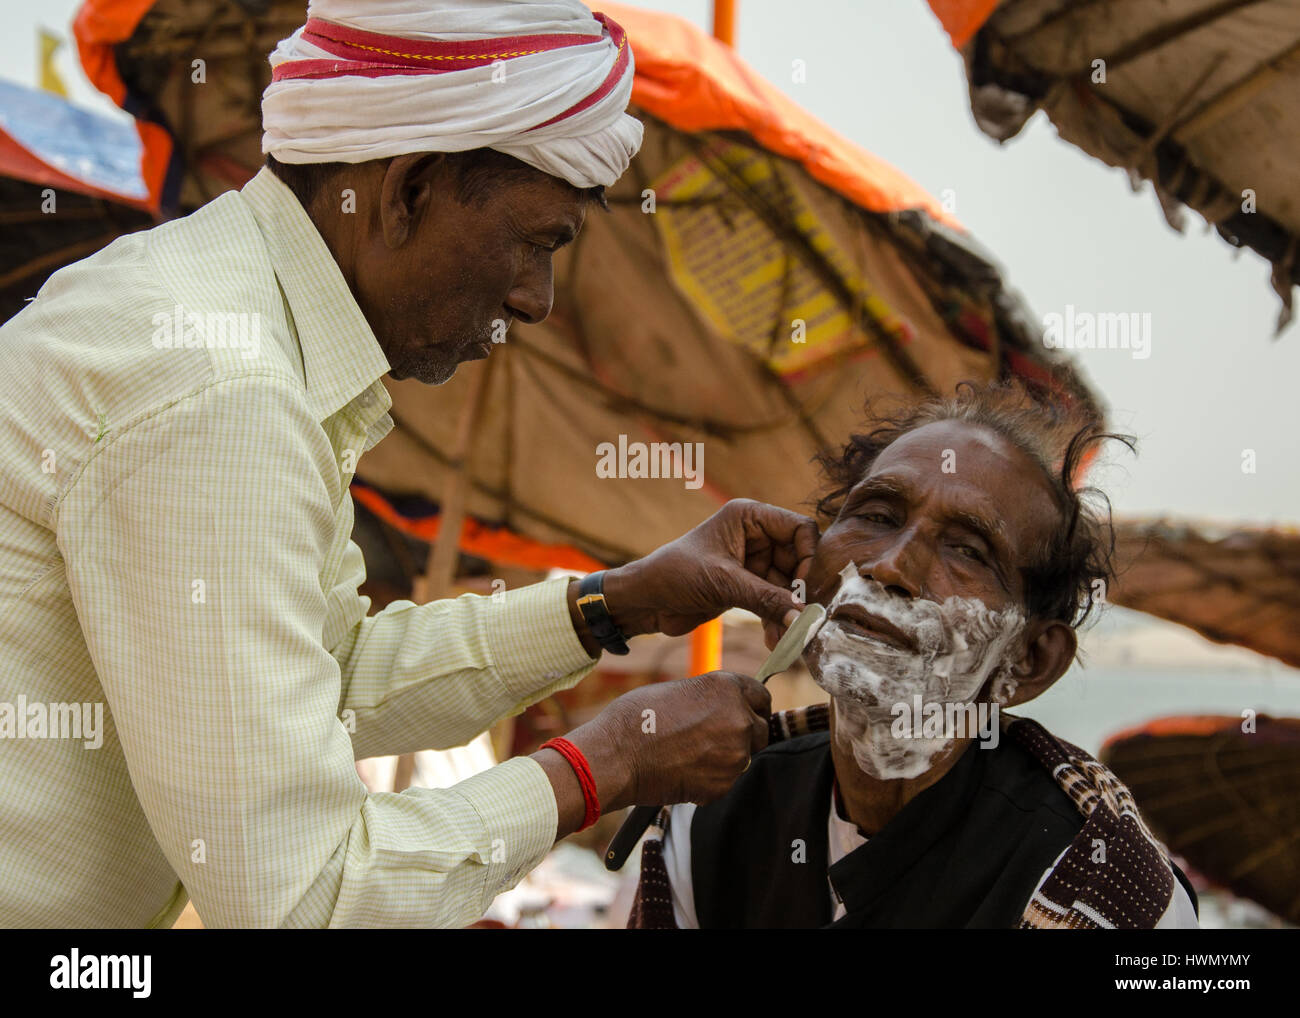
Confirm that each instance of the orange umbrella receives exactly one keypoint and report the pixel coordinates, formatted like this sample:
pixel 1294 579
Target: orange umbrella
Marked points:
pixel 758 277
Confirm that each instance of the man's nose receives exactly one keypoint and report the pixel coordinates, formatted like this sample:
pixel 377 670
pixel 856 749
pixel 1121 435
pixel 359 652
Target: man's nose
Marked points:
pixel 899 567
pixel 530 300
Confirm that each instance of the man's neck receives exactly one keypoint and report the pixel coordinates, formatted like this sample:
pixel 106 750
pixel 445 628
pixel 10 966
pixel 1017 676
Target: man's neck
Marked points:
pixel 339 237
pixel 870 803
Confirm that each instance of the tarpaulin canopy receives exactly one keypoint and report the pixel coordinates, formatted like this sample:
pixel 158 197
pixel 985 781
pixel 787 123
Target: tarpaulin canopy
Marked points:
pixel 69 183
pixel 758 277
pixel 1201 97
pixel 145 55
pixel 1220 792
pixel 1230 584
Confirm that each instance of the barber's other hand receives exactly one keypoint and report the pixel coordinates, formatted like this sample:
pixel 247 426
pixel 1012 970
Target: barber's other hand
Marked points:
pixel 746 555
pixel 682 741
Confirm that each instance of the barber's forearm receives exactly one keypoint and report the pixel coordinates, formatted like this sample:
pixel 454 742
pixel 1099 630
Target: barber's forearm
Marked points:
pixel 570 805
pixel 610 767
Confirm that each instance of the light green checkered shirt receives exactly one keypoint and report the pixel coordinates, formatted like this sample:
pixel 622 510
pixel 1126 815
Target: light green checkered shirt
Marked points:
pixel 182 414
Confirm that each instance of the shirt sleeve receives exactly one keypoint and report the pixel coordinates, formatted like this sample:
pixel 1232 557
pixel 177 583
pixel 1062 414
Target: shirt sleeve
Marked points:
pixel 433 676
pixel 194 542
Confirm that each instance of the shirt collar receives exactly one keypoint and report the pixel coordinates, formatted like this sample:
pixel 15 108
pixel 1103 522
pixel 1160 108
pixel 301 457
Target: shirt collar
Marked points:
pixel 340 354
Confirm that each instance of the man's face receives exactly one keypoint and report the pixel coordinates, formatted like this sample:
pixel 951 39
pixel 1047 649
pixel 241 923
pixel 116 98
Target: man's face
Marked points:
pixel 439 284
pixel 920 576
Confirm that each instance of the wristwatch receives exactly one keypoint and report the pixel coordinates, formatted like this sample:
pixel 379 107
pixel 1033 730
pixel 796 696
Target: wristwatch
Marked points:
pixel 591 602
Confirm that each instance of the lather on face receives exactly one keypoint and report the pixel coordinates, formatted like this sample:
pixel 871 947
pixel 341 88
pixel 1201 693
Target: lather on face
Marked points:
pixel 940 656
pixel 921 576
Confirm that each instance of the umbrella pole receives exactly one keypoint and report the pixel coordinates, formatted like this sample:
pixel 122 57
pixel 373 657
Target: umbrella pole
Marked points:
pixel 724 21
pixel 706 647
pixel 440 571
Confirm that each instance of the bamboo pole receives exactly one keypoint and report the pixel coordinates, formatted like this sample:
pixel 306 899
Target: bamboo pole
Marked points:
pixel 440 570
pixel 706 640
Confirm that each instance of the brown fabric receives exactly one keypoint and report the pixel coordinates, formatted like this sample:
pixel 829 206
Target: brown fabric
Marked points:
pixel 1239 585
pixel 790 724
pixel 1198 97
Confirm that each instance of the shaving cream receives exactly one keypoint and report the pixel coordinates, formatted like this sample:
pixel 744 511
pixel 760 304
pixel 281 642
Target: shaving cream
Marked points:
pixel 957 646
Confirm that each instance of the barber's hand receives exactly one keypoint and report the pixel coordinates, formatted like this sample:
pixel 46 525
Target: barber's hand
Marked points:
pixel 682 741
pixel 746 555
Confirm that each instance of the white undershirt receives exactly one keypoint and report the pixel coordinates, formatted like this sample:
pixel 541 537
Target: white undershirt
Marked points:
pixel 843 837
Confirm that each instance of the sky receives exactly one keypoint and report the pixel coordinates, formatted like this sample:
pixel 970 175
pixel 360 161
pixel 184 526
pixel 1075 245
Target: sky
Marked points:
pixel 1067 230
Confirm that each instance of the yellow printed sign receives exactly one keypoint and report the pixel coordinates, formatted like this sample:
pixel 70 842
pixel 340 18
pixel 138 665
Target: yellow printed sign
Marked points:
pixel 740 274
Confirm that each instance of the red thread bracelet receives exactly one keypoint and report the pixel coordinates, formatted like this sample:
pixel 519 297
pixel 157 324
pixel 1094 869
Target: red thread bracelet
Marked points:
pixel 578 762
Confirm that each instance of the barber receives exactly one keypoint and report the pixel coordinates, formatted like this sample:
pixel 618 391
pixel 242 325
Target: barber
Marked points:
pixel 175 524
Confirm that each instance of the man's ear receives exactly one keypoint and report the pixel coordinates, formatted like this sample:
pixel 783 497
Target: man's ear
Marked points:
pixel 1049 650
pixel 405 193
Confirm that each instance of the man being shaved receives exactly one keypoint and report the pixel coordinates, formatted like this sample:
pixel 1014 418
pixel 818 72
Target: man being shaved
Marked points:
pixel 958 564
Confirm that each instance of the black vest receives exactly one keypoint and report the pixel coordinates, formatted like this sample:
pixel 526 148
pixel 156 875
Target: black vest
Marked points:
pixel 965 852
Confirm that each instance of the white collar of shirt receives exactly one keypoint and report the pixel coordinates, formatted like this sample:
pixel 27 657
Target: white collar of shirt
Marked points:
pixel 843 835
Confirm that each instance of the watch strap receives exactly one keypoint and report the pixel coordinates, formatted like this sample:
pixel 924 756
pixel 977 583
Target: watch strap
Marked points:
pixel 591 602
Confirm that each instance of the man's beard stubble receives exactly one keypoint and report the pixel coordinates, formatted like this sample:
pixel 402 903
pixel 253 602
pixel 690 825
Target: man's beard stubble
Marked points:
pixel 435 364
pixel 961 646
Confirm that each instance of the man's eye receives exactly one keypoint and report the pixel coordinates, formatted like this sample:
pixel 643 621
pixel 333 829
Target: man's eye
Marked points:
pixel 970 552
pixel 876 517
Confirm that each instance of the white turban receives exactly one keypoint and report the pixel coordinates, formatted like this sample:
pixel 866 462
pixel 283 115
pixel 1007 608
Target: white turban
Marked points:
pixel 547 83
